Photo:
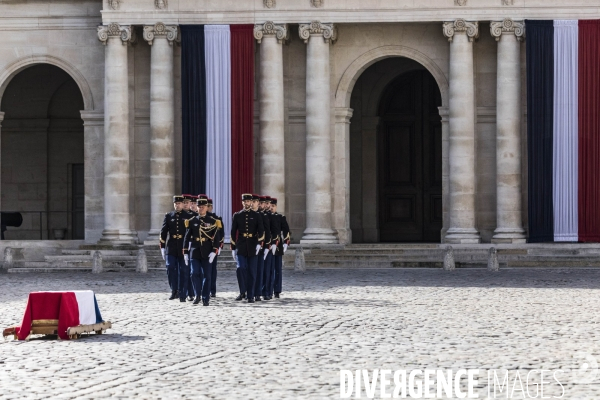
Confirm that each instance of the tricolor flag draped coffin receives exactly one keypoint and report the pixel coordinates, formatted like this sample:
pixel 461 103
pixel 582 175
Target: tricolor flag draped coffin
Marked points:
pixel 217 80
pixel 563 130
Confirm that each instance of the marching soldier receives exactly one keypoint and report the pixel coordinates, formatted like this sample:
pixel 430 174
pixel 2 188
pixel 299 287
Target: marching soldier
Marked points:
pixel 172 249
pixel 200 249
pixel 280 248
pixel 221 233
pixel 247 236
pixel 190 201
pixel 260 261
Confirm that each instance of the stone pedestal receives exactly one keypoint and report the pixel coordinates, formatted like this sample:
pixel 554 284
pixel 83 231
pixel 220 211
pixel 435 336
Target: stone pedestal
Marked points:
pixel 509 226
pixel 318 36
pixel 117 228
pixel 162 125
pixel 461 151
pixel 271 100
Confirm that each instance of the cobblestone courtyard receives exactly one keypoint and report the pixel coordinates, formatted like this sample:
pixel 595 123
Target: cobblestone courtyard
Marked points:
pixel 294 347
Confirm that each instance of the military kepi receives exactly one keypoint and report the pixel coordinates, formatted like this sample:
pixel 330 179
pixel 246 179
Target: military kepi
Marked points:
pixel 247 196
pixel 177 199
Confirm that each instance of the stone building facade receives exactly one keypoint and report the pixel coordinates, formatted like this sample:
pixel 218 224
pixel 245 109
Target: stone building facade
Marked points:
pixel 402 120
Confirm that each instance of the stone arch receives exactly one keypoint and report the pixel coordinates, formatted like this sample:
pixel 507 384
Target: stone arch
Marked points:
pixel 360 64
pixel 19 65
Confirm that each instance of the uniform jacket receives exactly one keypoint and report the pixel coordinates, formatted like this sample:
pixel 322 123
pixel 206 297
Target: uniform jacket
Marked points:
pixel 267 226
pixel 247 231
pixel 221 230
pixel 200 234
pixel 282 228
pixel 172 233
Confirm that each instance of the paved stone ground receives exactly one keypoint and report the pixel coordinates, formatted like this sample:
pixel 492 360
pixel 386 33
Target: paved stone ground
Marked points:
pixel 294 347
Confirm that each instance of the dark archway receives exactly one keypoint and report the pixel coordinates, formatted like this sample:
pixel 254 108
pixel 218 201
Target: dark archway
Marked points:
pixel 396 154
pixel 42 153
pixel 410 160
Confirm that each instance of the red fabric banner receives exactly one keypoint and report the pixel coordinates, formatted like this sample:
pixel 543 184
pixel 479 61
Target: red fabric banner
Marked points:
pixel 589 131
pixel 242 112
pixel 61 306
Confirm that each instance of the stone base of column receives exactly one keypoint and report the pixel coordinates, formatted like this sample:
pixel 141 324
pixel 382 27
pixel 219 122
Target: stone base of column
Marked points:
pixel 118 237
pixel 462 236
pixel 510 236
pixel 319 235
pixel 153 237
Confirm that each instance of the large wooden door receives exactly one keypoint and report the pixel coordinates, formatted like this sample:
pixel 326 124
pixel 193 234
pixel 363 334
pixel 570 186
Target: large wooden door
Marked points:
pixel 410 160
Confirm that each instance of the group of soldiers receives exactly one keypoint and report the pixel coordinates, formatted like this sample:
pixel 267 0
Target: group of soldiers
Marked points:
pixel 192 237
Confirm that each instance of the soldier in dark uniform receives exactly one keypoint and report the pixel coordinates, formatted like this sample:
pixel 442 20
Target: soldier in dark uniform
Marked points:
pixel 200 249
pixel 260 261
pixel 172 248
pixel 213 283
pixel 192 211
pixel 247 236
pixel 283 243
pixel 268 273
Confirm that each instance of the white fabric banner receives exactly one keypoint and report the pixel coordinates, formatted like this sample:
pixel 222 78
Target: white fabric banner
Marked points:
pixel 87 308
pixel 565 143
pixel 217 56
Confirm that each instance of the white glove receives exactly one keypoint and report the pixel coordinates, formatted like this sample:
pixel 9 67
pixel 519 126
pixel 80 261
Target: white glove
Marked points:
pixel 284 248
pixel 186 257
pixel 233 254
pixel 162 253
pixel 266 252
pixel 211 257
pixel 273 249
pixel 257 248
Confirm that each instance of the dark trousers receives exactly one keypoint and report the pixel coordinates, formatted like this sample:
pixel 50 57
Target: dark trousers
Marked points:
pixel 248 267
pixel 213 276
pixel 277 279
pixel 201 272
pixel 190 285
pixel 267 290
pixel 173 268
pixel 239 273
pixel 260 263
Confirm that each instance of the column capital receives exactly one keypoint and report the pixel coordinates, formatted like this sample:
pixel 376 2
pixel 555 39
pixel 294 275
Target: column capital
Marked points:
pixel 471 28
pixel 269 28
pixel 507 27
pixel 125 32
pixel 160 30
pixel 329 31
pixel 92 118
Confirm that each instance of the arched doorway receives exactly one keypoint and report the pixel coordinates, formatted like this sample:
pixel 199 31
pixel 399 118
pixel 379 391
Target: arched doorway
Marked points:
pixel 396 154
pixel 42 154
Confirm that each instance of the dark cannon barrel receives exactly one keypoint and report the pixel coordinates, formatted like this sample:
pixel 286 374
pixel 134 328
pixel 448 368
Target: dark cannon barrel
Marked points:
pixel 14 219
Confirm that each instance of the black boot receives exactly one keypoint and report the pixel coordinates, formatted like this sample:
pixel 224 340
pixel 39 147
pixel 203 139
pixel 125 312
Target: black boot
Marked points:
pixel 276 295
pixel 257 298
pixel 240 297
pixel 173 296
pixel 197 300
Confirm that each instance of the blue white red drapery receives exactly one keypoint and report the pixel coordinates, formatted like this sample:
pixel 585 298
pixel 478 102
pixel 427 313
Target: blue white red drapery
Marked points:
pixel 563 130
pixel 217 76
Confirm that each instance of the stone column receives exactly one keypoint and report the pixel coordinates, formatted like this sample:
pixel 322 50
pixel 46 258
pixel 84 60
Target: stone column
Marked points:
pixel 272 140
pixel 318 36
pixel 93 154
pixel 162 124
pixel 509 226
pixel 1 119
pixel 444 114
pixel 116 134
pixel 461 152
pixel 341 175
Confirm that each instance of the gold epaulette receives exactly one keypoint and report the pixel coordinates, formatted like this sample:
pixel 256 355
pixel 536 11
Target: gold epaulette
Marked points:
pixel 219 224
